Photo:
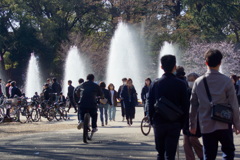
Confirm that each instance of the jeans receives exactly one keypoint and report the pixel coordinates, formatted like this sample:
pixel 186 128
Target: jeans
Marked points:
pixel 103 108
pixel 190 143
pixel 112 112
pixel 166 140
pixel 93 114
pixel 210 143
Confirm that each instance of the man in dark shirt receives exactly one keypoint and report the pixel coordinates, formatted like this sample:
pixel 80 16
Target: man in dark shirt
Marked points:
pixel 76 95
pixel 70 96
pixel 124 80
pixel 56 88
pixel 89 93
pixel 169 86
pixel 46 92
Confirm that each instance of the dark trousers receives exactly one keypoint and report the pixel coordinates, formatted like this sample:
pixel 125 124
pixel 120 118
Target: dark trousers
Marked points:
pixel 79 114
pixel 122 109
pixel 166 140
pixel 72 103
pixel 210 143
pixel 93 114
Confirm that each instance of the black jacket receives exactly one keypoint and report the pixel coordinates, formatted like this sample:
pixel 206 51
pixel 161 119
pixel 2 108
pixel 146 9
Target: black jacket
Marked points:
pixel 46 93
pixel 144 93
pixel 129 97
pixel 89 92
pixel 107 95
pixel 15 91
pixel 56 88
pixel 172 88
pixel 120 90
pixel 70 92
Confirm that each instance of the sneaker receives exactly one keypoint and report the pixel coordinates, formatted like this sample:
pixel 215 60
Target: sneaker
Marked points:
pixel 80 125
pixel 94 130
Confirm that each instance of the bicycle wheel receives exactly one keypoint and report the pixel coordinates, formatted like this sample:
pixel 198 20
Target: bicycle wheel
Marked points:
pixel 86 127
pixel 35 115
pixel 23 114
pixel 145 126
pixel 51 114
pixel 64 114
pixel 2 114
pixel 58 114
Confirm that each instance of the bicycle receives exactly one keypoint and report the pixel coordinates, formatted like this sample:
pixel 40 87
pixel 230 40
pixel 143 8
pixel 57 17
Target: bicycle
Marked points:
pixel 145 126
pixel 87 132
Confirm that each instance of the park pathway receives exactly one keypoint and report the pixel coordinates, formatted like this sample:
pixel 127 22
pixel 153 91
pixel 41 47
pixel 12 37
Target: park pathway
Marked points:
pixel 61 140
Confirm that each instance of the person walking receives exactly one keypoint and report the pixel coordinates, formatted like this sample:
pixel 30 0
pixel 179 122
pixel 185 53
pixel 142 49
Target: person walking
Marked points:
pixel 89 94
pixel 70 95
pixel 234 79
pixel 191 141
pixel 103 108
pixel 144 93
pixel 113 102
pixel 129 97
pixel 174 91
pixel 76 95
pixel 124 81
pixel 218 87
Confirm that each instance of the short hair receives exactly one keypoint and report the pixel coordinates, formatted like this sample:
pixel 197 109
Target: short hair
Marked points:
pixel 168 62
pixel 195 75
pixel 213 57
pixel 124 79
pixel 102 84
pixel 46 85
pixel 13 83
pixel 69 81
pixel 235 78
pixel 180 71
pixel 54 79
pixel 90 77
pixel 9 81
pixel 80 80
pixel 48 79
pixel 111 85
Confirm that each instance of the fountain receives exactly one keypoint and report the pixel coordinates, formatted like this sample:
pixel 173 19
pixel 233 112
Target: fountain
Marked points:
pixel 33 83
pixel 75 68
pixel 168 48
pixel 126 58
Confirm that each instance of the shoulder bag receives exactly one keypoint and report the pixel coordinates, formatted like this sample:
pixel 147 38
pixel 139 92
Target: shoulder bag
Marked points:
pixel 219 112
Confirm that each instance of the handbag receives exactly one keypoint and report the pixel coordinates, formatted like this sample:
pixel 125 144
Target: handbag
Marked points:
pixel 168 110
pixel 103 101
pixel 219 112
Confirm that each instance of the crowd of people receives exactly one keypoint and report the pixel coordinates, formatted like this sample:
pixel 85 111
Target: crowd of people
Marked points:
pixel 174 89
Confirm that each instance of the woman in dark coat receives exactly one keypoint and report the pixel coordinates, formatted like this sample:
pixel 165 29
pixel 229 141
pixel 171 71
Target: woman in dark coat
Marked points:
pixel 144 93
pixel 129 96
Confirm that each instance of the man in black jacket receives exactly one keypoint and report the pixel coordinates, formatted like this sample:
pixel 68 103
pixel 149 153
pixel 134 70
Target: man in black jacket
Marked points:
pixel 71 96
pixel 124 80
pixel 89 93
pixel 167 132
pixel 56 88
